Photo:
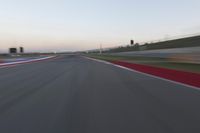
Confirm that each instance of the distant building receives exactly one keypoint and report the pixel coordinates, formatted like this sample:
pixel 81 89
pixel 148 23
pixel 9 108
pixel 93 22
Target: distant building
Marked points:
pixel 132 42
pixel 21 49
pixel 13 50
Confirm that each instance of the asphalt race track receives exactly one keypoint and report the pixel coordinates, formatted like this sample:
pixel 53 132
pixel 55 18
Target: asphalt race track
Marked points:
pixel 73 94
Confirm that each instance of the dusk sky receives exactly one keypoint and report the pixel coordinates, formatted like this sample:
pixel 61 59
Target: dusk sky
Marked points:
pixel 65 25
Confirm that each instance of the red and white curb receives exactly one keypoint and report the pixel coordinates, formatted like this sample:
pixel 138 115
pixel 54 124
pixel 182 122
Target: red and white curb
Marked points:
pixel 143 73
pixel 2 65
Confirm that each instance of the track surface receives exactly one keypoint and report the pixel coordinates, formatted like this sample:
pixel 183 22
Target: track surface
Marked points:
pixel 77 95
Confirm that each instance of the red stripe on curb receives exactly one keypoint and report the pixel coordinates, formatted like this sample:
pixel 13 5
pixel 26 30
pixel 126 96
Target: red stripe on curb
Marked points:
pixel 188 78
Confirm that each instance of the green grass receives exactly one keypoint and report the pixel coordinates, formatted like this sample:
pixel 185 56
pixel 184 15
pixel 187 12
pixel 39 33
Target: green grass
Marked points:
pixel 112 57
pixel 151 61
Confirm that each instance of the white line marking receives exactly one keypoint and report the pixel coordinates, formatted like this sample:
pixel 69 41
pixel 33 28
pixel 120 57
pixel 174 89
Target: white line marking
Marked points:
pixel 21 62
pixel 149 75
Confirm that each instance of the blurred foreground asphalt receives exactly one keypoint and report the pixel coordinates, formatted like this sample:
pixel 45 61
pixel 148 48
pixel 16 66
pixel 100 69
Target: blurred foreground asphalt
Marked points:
pixel 77 95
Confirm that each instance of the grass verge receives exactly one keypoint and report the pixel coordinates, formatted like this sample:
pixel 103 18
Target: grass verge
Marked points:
pixel 151 61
